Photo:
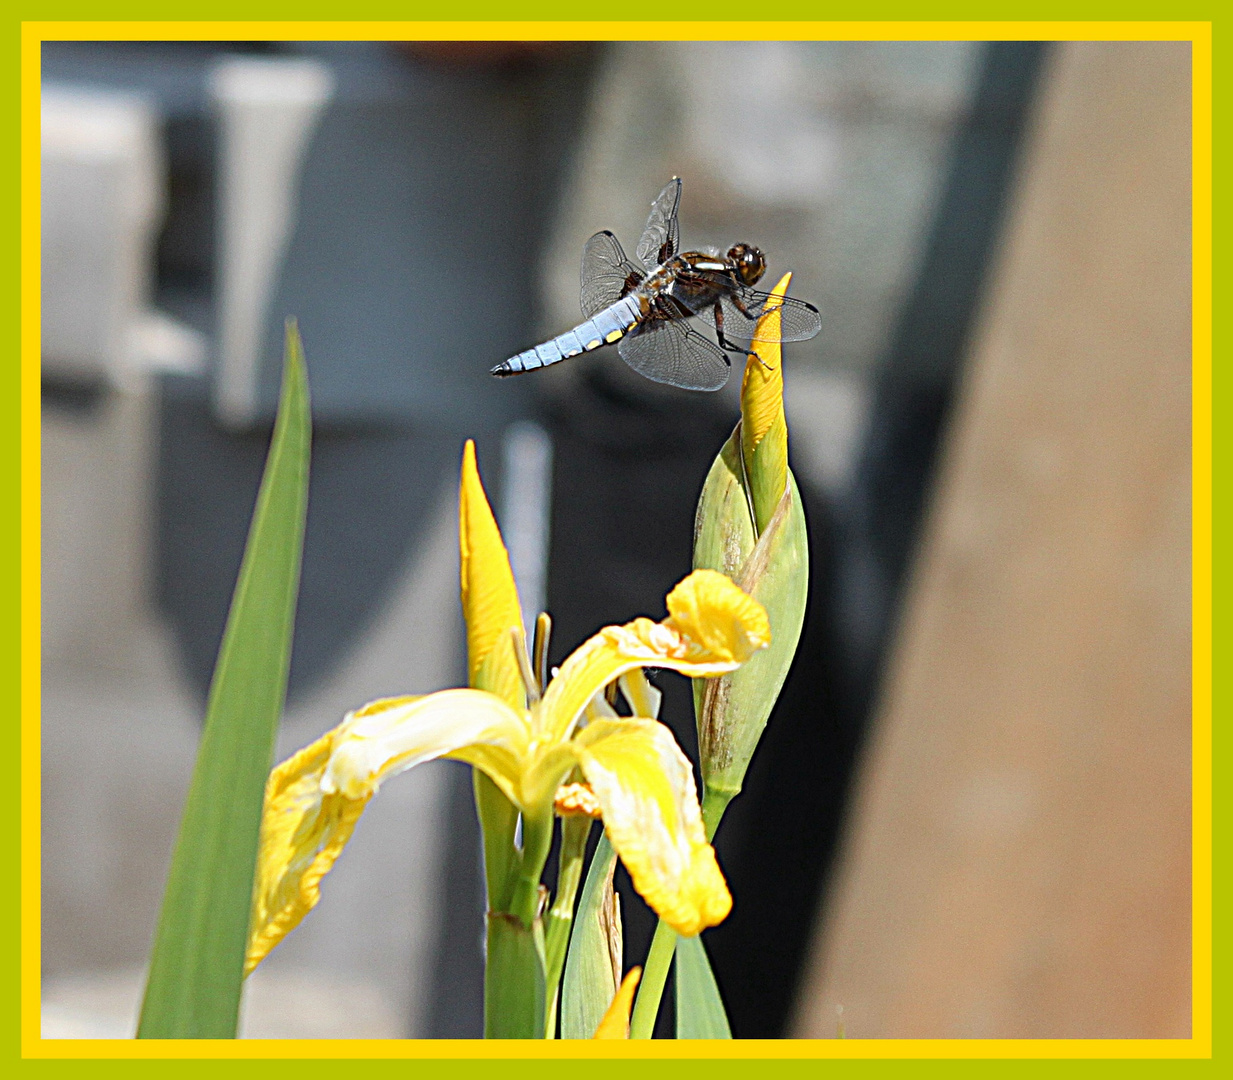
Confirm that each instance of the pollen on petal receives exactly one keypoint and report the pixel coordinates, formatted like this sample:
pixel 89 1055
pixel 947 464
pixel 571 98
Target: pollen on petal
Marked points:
pixel 577 800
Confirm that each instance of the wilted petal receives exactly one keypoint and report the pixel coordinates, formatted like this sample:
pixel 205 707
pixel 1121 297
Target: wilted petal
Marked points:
pixel 713 629
pixel 303 831
pixel 615 1024
pixel 719 619
pixel 489 595
pixel 314 799
pixel 645 787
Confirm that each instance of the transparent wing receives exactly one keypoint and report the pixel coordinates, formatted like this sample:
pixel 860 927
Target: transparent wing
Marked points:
pixel 662 237
pixel 798 321
pixel 668 351
pixel 605 273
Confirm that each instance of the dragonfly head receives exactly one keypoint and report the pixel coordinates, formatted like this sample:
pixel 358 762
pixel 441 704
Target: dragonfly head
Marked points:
pixel 749 262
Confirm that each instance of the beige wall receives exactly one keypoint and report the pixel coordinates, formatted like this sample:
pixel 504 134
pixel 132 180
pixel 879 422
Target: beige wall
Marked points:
pixel 1018 859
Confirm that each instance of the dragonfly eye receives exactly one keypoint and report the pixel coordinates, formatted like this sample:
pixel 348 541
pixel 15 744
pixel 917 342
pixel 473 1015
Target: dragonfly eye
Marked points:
pixel 749 262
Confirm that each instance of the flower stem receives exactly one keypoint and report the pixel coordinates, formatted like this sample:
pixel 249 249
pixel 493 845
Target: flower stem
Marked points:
pixel 498 818
pixel 514 979
pixel 658 960
pixel 536 841
pixel 514 971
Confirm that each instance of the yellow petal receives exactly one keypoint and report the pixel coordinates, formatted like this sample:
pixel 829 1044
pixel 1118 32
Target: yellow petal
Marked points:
pixel 645 787
pixel 644 699
pixel 390 736
pixel 489 595
pixel 303 831
pixel 719 617
pixel 764 429
pixel 314 799
pixel 615 1024
pixel 714 628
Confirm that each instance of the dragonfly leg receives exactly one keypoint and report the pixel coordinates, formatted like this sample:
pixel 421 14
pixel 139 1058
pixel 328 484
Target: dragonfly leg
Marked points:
pixel 724 343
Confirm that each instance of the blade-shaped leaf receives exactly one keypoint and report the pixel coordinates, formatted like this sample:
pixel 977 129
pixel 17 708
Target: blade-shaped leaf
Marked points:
pixel 196 969
pixel 699 1009
pixel 589 983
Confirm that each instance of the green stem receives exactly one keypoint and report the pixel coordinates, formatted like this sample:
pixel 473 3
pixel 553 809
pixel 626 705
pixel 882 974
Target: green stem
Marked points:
pixel 498 819
pixel 514 971
pixel 574 832
pixel 514 979
pixel 663 945
pixel 536 841
pixel 651 988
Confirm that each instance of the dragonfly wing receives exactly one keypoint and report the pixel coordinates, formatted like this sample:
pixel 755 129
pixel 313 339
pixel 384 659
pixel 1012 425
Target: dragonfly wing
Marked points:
pixel 606 273
pixel 798 321
pixel 668 351
pixel 662 237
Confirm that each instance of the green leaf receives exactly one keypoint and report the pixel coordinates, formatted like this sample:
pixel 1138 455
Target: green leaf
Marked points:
pixel 589 983
pixel 724 532
pixel 196 969
pixel 699 1009
pixel 732 711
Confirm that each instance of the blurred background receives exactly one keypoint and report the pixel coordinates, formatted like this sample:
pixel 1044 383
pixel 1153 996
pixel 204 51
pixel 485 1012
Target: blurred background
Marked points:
pixel 970 814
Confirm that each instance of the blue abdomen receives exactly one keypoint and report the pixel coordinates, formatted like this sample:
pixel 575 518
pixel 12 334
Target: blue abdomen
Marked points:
pixel 602 328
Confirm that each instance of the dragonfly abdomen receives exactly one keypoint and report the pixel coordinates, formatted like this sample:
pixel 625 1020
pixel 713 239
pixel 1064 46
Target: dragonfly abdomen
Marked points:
pixel 602 328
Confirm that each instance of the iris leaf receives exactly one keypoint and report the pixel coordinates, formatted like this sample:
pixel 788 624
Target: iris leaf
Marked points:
pixel 196 969
pixel 589 984
pixel 699 1009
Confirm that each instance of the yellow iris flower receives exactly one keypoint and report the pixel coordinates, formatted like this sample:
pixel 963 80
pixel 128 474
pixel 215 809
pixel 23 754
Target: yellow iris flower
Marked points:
pixel 642 781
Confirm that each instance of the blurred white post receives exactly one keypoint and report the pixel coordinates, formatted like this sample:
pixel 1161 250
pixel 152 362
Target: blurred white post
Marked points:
pixel 103 179
pixel 268 110
pixel 526 512
pixel 102 194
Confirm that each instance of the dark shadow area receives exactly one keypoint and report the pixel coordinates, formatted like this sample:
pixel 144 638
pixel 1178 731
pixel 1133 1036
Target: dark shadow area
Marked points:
pixel 786 828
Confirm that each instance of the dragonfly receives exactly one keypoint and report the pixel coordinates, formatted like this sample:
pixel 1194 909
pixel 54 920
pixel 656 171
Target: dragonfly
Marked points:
pixel 650 305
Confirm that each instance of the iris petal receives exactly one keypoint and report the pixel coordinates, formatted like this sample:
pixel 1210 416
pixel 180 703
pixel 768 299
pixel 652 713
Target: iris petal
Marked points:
pixel 303 830
pixel 314 799
pixel 615 1023
pixel 721 619
pixel 713 629
pixel 389 737
pixel 764 428
pixel 645 787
